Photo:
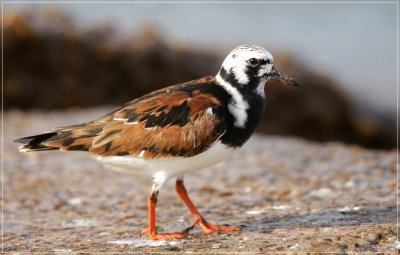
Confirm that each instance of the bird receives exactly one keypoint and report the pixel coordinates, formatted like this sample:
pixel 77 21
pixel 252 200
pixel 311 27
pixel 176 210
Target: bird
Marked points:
pixel 176 130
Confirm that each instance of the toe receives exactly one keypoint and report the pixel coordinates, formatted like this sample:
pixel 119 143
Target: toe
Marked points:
pixel 210 228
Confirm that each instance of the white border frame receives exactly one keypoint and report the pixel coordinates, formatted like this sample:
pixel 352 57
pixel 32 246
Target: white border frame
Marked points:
pixel 191 2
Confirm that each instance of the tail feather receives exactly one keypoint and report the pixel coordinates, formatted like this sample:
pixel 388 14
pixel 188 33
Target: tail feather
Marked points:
pixel 78 137
pixel 34 143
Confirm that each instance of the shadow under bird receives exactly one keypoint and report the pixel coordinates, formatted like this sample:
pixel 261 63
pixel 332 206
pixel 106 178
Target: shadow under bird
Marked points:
pixel 176 130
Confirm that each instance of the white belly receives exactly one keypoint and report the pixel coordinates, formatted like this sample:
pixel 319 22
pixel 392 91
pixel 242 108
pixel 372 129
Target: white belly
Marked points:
pixel 164 168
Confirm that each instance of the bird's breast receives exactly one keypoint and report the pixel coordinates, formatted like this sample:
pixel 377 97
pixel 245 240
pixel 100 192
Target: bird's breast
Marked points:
pixel 236 136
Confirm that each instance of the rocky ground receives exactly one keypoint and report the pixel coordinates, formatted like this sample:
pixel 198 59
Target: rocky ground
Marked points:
pixel 289 195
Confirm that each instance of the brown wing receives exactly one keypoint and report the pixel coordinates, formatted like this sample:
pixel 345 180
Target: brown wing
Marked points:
pixel 175 121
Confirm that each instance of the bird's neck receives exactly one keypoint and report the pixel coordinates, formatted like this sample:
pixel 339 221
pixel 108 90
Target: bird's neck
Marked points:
pixel 246 106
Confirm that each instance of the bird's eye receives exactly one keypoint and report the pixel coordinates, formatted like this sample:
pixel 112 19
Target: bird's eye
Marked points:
pixel 268 61
pixel 253 62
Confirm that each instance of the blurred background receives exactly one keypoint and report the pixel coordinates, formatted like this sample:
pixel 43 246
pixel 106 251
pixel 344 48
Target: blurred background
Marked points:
pixel 80 55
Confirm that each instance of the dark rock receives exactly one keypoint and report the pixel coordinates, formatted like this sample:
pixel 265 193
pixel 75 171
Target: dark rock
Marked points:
pixel 61 66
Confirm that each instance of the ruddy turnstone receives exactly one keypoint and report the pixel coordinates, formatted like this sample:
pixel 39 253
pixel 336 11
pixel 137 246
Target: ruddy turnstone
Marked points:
pixel 177 129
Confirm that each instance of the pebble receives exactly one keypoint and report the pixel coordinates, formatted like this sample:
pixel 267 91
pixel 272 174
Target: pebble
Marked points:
pixel 216 246
pixel 78 223
pixel 75 201
pixel 281 207
pixel 349 209
pixel 146 242
pixel 322 193
pixel 296 246
pixel 61 250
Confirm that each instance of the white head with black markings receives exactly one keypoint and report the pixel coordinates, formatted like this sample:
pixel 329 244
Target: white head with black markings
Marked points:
pixel 251 65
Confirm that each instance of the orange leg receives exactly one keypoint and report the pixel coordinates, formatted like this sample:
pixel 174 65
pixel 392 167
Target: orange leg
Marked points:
pixel 151 231
pixel 198 219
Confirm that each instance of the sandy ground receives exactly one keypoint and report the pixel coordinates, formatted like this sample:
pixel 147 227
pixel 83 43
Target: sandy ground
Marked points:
pixel 289 195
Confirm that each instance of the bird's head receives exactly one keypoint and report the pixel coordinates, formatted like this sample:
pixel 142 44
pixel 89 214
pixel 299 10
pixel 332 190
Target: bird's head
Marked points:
pixel 251 66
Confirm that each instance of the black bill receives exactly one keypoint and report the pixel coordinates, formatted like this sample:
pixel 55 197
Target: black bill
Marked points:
pixel 276 74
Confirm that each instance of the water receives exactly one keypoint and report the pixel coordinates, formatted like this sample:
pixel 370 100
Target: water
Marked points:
pixel 355 44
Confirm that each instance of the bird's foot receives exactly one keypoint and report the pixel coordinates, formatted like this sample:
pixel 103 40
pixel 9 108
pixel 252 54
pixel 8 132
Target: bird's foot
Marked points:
pixel 207 228
pixel 153 235
pixel 210 228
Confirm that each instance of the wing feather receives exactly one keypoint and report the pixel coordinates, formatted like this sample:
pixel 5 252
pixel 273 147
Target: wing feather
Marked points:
pixel 173 123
